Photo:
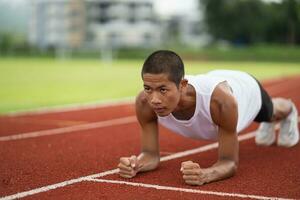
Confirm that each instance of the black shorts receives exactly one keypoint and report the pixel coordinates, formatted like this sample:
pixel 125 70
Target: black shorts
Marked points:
pixel 266 111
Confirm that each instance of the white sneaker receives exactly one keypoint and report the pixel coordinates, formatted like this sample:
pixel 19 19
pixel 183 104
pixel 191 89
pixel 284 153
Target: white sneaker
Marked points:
pixel 289 132
pixel 265 134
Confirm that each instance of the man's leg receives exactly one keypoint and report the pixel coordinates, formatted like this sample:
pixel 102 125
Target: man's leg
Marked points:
pixel 281 109
pixel 285 112
pixel 265 134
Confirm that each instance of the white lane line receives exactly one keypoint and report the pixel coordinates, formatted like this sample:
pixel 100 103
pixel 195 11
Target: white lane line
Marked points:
pixel 57 185
pixel 81 127
pixel 159 187
pixel 114 171
pixel 72 107
pixel 203 148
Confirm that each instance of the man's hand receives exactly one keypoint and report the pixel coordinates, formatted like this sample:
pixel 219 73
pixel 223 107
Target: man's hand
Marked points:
pixel 129 166
pixel 192 173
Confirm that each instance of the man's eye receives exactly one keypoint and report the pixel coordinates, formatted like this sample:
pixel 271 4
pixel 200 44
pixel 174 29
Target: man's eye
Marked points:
pixel 147 89
pixel 163 90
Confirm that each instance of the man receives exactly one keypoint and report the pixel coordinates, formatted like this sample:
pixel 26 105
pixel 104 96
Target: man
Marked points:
pixel 213 106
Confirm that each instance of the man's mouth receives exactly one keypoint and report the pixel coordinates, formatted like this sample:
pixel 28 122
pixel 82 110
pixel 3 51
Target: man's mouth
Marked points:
pixel 158 109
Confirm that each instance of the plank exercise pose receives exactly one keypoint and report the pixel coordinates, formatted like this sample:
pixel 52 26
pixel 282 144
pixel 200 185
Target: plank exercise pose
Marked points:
pixel 212 106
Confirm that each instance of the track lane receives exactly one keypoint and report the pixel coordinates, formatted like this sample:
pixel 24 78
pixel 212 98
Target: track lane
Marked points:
pixel 263 171
pixel 57 143
pixel 15 124
pixel 10 125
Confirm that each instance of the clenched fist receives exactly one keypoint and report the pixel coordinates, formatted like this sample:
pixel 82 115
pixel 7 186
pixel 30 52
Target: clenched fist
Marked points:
pixel 129 166
pixel 192 173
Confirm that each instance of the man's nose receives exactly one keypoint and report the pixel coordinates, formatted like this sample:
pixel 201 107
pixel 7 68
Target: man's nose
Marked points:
pixel 155 99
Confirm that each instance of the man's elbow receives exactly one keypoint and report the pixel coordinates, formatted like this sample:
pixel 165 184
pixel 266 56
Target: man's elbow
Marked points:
pixel 150 161
pixel 233 166
pixel 155 161
pixel 149 166
pixel 154 165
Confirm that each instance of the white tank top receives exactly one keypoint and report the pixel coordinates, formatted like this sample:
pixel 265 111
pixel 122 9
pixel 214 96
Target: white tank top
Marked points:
pixel 201 126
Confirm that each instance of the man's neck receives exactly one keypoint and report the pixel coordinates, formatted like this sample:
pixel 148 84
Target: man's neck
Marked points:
pixel 187 105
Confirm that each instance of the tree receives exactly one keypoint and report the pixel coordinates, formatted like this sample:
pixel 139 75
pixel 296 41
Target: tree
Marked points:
pixel 253 21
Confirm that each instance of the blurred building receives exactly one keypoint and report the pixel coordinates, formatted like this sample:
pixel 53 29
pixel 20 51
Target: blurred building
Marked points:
pixel 192 31
pixel 93 24
pixel 57 23
pixel 122 23
pixel 187 27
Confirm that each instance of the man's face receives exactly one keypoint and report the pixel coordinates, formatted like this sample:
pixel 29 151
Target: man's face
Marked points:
pixel 162 94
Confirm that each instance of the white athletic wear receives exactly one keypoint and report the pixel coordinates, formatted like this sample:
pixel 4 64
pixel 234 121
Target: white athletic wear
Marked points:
pixel 289 131
pixel 201 126
pixel 265 134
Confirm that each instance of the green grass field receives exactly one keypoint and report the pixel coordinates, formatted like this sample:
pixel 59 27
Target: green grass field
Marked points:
pixel 35 82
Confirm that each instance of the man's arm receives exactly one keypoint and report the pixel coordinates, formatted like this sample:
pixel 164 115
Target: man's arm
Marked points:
pixel 149 156
pixel 224 112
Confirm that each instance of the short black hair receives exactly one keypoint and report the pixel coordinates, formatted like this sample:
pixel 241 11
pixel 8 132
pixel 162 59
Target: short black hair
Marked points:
pixel 165 61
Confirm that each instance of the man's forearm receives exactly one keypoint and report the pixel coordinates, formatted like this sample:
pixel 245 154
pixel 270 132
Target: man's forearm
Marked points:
pixel 221 170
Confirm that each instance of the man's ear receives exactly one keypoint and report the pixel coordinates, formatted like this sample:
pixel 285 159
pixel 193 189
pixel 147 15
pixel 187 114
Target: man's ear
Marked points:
pixel 183 83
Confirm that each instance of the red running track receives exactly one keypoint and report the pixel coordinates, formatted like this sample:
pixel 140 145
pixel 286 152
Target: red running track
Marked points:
pixel 38 167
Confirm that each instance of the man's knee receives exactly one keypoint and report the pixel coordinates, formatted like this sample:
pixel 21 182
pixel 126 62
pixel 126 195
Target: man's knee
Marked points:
pixel 282 107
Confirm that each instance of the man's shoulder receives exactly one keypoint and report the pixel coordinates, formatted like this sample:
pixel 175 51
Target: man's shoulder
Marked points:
pixel 223 103
pixel 141 99
pixel 222 94
pixel 143 110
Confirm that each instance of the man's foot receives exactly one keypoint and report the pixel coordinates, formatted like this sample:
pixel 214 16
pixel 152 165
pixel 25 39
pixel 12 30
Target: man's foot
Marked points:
pixel 289 132
pixel 265 134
